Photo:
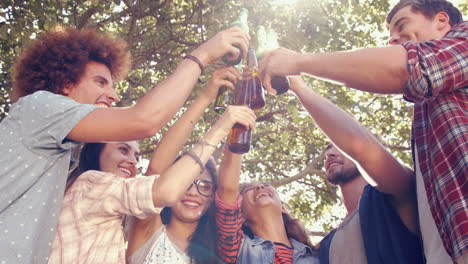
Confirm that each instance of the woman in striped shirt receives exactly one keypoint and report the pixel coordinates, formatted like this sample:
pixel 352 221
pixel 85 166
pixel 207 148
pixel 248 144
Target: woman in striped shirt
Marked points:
pixel 253 225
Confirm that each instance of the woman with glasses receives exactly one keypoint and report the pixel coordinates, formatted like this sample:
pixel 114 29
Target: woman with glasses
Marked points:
pixel 106 189
pixel 185 232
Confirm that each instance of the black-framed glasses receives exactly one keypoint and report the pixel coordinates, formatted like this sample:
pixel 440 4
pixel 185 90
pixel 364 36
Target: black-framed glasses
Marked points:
pixel 204 187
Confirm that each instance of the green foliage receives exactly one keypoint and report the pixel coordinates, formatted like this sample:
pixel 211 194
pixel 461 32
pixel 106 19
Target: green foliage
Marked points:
pixel 161 32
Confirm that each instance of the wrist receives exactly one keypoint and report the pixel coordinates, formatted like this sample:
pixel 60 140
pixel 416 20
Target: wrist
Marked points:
pixel 201 56
pixel 206 97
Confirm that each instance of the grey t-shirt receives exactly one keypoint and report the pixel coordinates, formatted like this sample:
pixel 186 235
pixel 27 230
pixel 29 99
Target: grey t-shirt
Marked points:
pixel 33 170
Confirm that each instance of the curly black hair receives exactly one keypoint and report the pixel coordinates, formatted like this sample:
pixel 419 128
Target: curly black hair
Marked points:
pixel 59 57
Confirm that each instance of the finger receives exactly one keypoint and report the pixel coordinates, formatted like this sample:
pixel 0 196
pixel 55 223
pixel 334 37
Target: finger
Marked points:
pixel 227 84
pixel 262 64
pixel 242 42
pixel 230 77
pixel 267 84
pixel 247 116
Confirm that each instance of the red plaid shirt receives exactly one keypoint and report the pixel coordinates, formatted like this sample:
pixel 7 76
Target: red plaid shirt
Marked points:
pixel 438 86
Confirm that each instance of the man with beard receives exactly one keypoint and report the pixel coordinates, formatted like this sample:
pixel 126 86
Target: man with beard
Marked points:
pixel 378 191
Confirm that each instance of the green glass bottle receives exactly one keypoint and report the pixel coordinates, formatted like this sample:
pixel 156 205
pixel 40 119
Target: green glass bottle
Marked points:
pixel 243 24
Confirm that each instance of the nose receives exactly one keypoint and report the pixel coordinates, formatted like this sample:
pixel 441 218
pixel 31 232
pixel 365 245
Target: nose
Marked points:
pixel 112 95
pixel 259 187
pixel 192 190
pixel 333 151
pixel 132 160
pixel 394 39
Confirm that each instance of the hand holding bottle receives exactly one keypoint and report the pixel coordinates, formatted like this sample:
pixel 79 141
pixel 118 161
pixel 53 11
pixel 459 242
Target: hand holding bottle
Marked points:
pixel 223 42
pixel 222 78
pixel 279 62
pixel 236 114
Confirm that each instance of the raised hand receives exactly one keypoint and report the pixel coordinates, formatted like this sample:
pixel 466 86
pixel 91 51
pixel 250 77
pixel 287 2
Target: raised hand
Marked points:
pixel 227 77
pixel 222 43
pixel 236 114
pixel 279 62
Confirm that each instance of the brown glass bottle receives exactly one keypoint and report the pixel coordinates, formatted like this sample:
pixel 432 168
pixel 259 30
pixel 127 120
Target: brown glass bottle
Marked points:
pixel 257 94
pixel 239 136
pixel 280 84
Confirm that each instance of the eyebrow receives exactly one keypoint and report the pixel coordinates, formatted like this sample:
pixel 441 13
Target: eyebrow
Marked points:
pixel 130 147
pixel 100 77
pixel 399 21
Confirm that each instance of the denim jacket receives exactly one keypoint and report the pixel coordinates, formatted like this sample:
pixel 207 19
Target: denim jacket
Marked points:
pixel 257 250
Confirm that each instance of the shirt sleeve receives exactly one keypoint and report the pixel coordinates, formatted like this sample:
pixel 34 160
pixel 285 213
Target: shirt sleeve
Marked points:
pixel 229 229
pixel 47 119
pixel 110 195
pixel 438 66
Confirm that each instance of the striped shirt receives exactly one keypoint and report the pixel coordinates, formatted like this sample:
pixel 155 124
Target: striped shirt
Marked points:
pixel 438 86
pixel 229 221
pixel 90 222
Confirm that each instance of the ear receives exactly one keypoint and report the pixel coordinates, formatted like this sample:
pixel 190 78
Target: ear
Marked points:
pixel 442 20
pixel 67 89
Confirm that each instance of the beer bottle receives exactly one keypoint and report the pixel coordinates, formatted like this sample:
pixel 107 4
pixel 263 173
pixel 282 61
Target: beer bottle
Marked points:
pixel 279 83
pixel 239 137
pixel 257 95
pixel 223 99
pixel 243 24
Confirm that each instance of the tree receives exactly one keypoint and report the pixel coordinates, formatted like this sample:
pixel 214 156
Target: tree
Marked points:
pixel 287 146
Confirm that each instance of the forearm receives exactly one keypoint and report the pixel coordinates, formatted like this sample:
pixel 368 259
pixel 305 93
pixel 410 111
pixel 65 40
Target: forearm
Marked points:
pixel 160 104
pixel 229 176
pixel 375 70
pixel 358 143
pixel 173 141
pixel 174 181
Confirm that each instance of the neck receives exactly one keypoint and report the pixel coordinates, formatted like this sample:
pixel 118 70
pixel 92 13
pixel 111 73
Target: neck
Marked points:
pixel 180 232
pixel 351 193
pixel 270 227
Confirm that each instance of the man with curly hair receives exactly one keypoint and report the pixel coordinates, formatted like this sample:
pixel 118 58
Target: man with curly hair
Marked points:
pixel 63 88
pixel 428 64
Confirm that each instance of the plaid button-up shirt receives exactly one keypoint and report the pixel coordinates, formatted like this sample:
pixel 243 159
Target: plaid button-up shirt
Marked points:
pixel 90 223
pixel 438 86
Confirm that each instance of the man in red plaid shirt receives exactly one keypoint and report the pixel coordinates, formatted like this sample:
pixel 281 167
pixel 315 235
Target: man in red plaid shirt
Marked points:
pixel 428 64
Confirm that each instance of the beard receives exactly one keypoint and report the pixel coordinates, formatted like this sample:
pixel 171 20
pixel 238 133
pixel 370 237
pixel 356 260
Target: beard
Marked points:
pixel 343 176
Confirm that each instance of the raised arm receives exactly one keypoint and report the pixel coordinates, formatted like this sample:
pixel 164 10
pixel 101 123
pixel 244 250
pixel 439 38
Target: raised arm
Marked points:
pixel 159 105
pixel 173 141
pixel 229 176
pixel 376 70
pixel 382 168
pixel 174 181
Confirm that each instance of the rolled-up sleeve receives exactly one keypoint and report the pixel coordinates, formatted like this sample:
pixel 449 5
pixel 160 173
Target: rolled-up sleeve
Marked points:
pixel 436 67
pixel 105 194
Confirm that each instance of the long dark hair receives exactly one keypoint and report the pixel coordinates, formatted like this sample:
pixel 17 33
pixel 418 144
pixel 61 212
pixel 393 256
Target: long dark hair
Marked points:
pixel 202 246
pixel 294 227
pixel 89 160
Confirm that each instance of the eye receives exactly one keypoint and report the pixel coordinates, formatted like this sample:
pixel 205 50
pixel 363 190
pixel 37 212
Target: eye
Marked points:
pixel 101 82
pixel 402 26
pixel 204 185
pixel 123 150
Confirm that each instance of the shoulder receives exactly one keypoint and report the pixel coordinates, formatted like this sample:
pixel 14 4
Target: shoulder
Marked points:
pixel 459 30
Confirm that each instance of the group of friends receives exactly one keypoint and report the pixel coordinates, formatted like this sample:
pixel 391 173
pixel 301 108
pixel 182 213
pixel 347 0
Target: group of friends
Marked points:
pixel 185 209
